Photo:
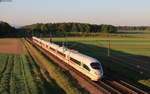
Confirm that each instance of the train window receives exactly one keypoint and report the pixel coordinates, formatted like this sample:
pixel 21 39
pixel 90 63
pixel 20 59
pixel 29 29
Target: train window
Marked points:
pixel 95 65
pixel 61 53
pixel 52 48
pixel 86 67
pixel 76 61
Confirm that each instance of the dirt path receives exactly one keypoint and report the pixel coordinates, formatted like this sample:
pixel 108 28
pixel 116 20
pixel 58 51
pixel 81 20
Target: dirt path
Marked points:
pixel 11 45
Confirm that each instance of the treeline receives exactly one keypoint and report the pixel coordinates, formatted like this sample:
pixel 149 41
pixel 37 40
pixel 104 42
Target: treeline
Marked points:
pixel 68 27
pixel 6 30
pixel 62 29
pixel 133 27
pixel 53 29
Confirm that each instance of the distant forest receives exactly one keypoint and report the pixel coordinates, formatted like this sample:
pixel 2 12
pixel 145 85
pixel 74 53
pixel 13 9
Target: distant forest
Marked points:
pixel 133 28
pixel 61 29
pixel 6 29
pixel 68 27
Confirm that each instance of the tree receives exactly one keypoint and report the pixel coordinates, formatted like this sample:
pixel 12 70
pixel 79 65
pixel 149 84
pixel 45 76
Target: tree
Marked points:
pixel 108 28
pixel 74 28
pixel 61 29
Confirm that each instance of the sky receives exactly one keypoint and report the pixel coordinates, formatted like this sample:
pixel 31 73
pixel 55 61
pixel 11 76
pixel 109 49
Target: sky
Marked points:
pixel 115 12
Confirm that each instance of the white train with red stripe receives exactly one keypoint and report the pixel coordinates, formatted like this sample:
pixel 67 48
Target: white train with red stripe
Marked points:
pixel 89 66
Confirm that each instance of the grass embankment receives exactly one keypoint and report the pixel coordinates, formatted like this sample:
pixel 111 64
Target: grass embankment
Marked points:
pixel 59 75
pixel 45 84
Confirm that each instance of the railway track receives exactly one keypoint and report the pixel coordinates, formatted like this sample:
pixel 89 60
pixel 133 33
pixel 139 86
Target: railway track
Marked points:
pixel 137 90
pixel 106 86
pixel 123 87
pixel 125 83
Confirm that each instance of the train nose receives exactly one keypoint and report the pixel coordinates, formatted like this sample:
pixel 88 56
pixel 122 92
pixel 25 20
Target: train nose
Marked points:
pixel 99 74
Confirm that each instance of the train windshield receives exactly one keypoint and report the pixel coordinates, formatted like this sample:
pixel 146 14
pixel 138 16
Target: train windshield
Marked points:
pixel 95 65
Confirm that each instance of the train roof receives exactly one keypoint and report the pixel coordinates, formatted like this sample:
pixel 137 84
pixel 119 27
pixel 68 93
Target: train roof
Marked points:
pixel 82 57
pixel 72 53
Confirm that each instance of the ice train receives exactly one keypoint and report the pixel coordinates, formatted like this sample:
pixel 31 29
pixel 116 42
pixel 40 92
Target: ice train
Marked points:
pixel 87 65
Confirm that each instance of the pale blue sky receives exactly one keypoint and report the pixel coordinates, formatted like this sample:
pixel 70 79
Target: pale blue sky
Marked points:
pixel 115 12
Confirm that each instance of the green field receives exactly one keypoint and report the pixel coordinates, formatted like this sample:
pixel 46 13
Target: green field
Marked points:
pixel 128 46
pixel 16 76
pixel 19 74
pixel 124 42
pixel 25 74
pixel 128 56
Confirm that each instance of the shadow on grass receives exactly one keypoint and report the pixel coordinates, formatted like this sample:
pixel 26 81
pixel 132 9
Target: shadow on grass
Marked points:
pixel 120 66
